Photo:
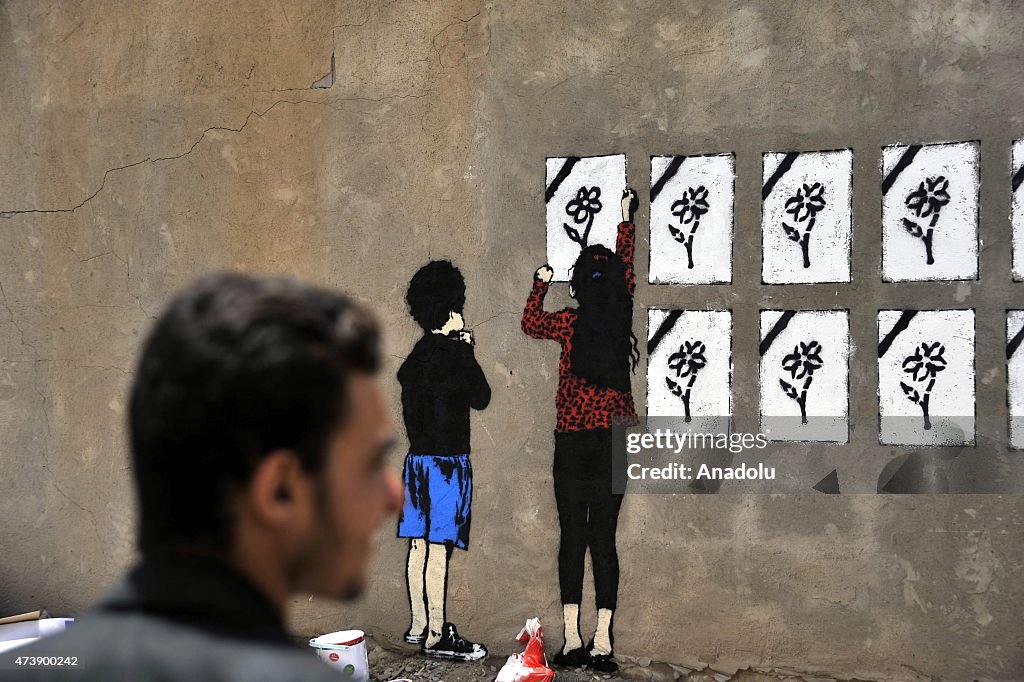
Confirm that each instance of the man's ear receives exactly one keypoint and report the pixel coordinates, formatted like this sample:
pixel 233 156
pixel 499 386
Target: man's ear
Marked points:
pixel 279 489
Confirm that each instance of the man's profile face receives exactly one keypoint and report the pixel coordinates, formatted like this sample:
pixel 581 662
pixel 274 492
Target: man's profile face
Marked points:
pixel 357 491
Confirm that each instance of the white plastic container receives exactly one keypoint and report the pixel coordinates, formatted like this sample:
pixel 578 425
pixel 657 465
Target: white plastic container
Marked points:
pixel 346 651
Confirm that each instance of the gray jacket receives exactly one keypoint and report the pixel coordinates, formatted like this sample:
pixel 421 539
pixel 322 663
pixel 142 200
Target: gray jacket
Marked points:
pixel 175 619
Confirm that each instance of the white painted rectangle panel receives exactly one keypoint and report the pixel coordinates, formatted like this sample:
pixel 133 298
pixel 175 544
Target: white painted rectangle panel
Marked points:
pixel 689 370
pixel 692 219
pixel 805 374
pixel 926 377
pixel 585 202
pixel 806 217
pixel 930 212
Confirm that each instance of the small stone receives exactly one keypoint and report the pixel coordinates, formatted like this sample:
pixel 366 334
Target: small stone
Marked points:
pixel 644 662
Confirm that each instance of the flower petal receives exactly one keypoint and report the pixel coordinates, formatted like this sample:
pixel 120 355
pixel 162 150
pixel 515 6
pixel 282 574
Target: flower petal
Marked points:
pixel 911 367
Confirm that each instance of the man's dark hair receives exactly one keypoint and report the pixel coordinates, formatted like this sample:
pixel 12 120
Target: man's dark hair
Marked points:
pixel 436 290
pixel 236 367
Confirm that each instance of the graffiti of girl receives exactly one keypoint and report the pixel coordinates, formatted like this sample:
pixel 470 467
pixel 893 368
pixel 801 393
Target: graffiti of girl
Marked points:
pixel 598 354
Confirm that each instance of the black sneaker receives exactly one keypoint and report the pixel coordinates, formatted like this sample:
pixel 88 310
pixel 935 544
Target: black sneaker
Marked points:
pixel 602 663
pixel 576 658
pixel 411 637
pixel 454 648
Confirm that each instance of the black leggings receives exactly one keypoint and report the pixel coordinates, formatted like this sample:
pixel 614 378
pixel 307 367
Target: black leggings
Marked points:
pixel 588 513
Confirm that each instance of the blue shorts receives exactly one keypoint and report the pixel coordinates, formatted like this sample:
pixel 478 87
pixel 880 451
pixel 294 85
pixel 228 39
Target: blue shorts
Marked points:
pixel 438 493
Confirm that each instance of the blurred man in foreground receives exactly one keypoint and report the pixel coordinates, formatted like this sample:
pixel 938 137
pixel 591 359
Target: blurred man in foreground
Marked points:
pixel 258 438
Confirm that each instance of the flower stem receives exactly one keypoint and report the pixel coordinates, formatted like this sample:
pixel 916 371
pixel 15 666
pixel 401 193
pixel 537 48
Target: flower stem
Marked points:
pixel 927 239
pixel 802 400
pixel 586 232
pixel 804 248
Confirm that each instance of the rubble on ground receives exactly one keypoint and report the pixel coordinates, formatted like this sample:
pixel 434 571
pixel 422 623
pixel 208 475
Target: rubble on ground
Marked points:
pixel 391 661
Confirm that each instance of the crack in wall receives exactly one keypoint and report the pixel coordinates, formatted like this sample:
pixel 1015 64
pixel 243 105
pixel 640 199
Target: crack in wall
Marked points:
pixel 8 214
pixel 494 316
pixel 106 174
pixel 325 82
pixel 464 22
pixel 14 321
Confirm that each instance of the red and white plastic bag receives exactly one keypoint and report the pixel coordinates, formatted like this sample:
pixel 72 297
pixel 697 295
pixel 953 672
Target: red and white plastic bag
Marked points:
pixel 531 665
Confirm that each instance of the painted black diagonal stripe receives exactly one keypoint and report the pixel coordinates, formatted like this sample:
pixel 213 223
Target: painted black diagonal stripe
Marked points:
pixel 670 172
pixel 901 165
pixel 905 317
pixel 664 328
pixel 780 325
pixel 1018 178
pixel 560 177
pixel 784 166
pixel 1014 343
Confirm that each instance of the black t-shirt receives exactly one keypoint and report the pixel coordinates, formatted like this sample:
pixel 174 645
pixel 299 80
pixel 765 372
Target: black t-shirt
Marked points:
pixel 441 381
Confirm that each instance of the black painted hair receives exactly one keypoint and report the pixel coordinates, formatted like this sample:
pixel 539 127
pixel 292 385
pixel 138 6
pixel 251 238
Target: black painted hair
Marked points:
pixel 236 367
pixel 603 346
pixel 436 290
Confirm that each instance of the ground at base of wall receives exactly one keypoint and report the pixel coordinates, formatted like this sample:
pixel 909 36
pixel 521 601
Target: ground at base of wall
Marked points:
pixel 388 662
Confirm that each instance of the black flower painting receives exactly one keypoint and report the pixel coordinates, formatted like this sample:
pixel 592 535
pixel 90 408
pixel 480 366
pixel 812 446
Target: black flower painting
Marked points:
pixel 929 198
pixel 686 363
pixel 807 202
pixel 689 208
pixel 926 202
pixel 692 205
pixel 923 366
pixel 804 207
pixel 801 364
pixel 582 209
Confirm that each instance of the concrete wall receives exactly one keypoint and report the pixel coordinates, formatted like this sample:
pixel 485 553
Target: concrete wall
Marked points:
pixel 146 145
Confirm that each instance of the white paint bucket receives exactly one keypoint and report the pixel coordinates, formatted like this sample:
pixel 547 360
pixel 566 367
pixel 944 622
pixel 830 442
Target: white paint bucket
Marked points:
pixel 346 651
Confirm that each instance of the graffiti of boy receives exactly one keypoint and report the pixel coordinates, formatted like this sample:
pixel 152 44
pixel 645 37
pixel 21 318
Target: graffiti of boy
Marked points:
pixel 441 381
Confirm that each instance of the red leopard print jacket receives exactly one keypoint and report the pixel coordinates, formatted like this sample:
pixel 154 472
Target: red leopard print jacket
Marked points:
pixel 580 405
